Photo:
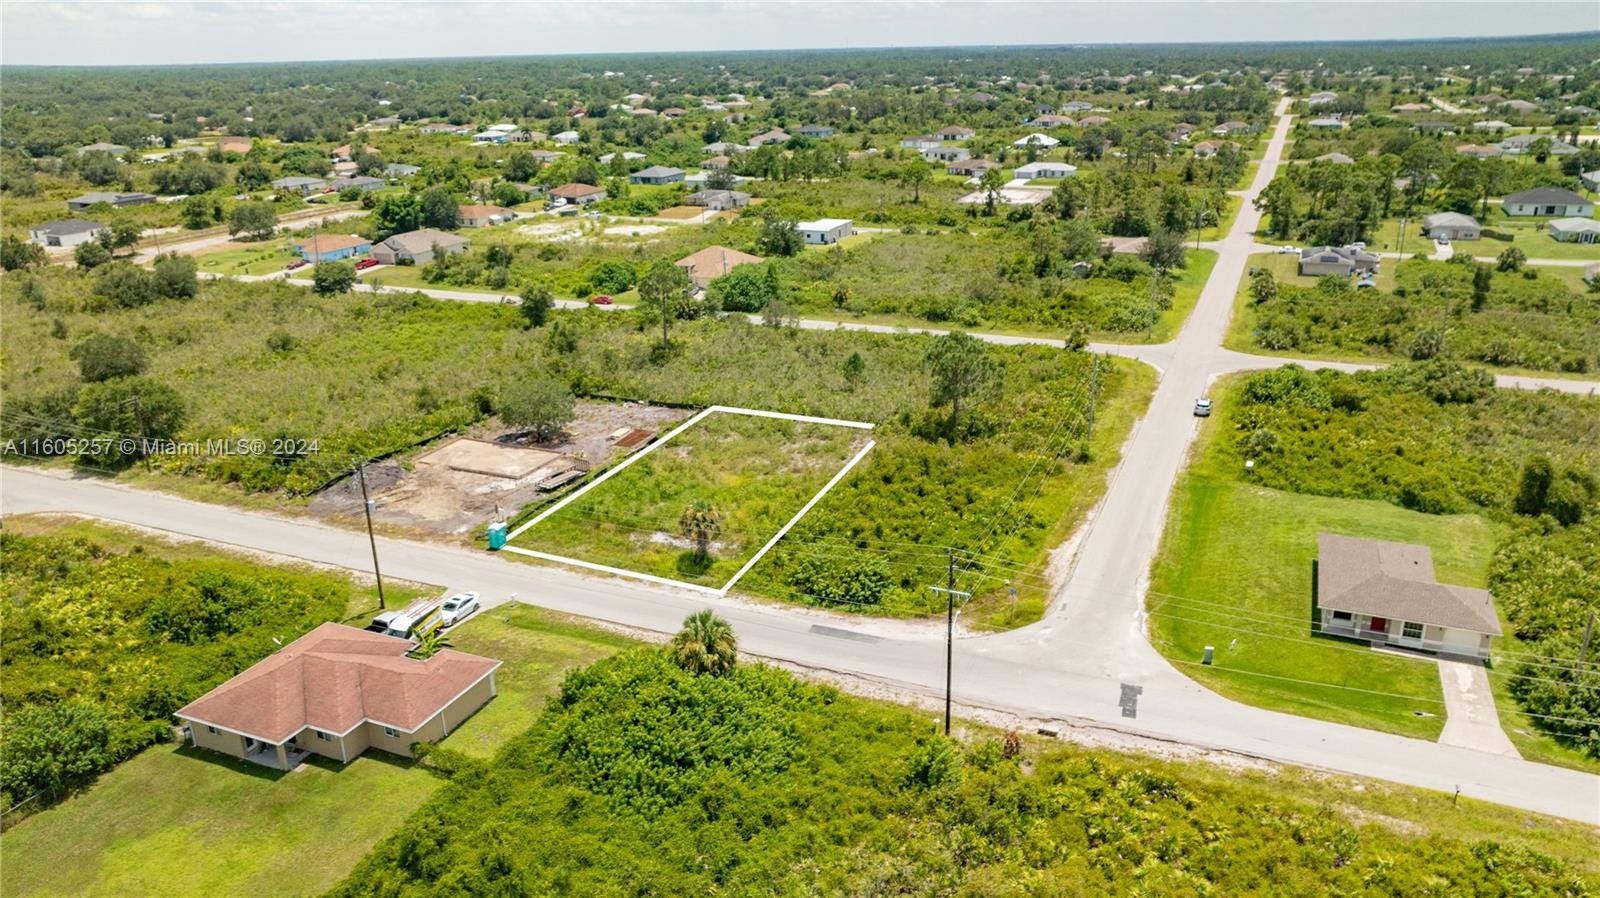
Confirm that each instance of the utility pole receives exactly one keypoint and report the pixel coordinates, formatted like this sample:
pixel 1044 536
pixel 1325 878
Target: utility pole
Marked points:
pixel 366 505
pixel 1588 630
pixel 1401 249
pixel 1094 394
pixel 950 594
pixel 144 439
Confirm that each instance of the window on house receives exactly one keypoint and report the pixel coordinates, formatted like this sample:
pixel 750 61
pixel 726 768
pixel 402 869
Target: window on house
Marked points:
pixel 1411 630
pixel 212 730
pixel 323 736
pixel 1342 616
pixel 388 731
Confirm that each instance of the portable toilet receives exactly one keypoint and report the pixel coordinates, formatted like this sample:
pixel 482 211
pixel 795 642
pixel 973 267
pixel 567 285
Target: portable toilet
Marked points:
pixel 497 535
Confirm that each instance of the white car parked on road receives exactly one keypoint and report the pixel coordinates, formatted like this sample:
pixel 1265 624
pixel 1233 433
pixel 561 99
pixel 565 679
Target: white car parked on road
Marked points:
pixel 457 607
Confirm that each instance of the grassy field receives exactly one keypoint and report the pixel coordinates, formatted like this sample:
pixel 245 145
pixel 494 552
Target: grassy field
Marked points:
pixel 1235 572
pixel 262 258
pixel 752 473
pixel 182 821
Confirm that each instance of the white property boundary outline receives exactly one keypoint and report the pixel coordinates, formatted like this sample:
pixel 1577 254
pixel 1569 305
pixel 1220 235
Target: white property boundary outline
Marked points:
pixel 692 421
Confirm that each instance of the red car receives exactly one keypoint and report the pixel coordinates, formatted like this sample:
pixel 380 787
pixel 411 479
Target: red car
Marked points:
pixel 600 300
pixel 297 263
pixel 366 263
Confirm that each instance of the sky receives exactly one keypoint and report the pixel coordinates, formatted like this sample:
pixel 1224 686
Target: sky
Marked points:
pixel 85 32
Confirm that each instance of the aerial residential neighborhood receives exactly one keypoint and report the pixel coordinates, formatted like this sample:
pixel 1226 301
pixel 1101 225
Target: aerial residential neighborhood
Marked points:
pixel 1143 449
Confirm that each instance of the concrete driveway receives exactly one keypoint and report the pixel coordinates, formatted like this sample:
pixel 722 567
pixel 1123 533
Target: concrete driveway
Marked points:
pixel 1471 721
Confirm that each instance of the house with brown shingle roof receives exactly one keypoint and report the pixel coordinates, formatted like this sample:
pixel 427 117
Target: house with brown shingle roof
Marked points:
pixel 336 692
pixel 713 262
pixel 579 194
pixel 1386 593
pixel 477 215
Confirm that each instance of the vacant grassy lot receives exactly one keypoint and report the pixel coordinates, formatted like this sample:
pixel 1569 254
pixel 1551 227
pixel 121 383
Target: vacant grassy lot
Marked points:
pixel 751 474
pixel 263 258
pixel 1540 320
pixel 180 821
pixel 643 779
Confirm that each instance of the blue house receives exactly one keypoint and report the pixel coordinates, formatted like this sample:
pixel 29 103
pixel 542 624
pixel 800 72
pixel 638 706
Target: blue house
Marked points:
pixel 332 247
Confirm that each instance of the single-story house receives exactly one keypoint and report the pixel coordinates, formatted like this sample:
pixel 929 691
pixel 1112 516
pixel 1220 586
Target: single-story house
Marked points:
pixel 1321 98
pixel 955 132
pixel 332 247
pixel 523 135
pixel 115 200
pixel 713 262
pixel 578 194
pixel 970 167
pixel 482 216
pixel 300 184
pixel 1035 170
pixel 347 152
pixel 345 169
pixel 66 232
pixel 698 180
pixel 445 128
pixel 921 142
pixel 419 246
pixel 1548 201
pixel 503 127
pixel 627 156
pixel 1230 128
pixel 817 131
pixel 490 137
pixel 1335 158
pixel 336 692
pixel 1435 127
pixel 528 190
pixel 1205 149
pixel 826 230
pixel 1453 225
pixel 776 135
pixel 1091 121
pixel 673 112
pixel 946 154
pixel 1326 124
pixel 1491 125
pixel 1386 593
pixel 1575 230
pixel 1518 105
pixel 401 170
pixel 1518 144
pixel 657 174
pixel 231 144
pixel 1591 179
pixel 1043 141
pixel 1052 121
pixel 1340 260
pixel 115 149
pixel 565 138
pixel 362 182
pixel 716 163
pixel 724 148
pixel 1412 107
pixel 545 157
pixel 1479 150
pixel 1076 106
pixel 718 200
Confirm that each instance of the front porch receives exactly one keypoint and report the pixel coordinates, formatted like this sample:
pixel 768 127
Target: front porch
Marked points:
pixel 283 757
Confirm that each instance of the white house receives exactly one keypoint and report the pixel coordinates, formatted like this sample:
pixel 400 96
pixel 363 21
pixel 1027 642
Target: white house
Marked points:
pixel 921 142
pixel 826 230
pixel 946 154
pixel 1548 201
pixel 1385 593
pixel 1044 170
pixel 566 138
pixel 1575 230
pixel 66 232
pixel 1453 225
pixel 1043 141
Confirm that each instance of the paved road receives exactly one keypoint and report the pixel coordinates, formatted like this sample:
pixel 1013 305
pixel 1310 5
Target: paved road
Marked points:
pixel 1080 664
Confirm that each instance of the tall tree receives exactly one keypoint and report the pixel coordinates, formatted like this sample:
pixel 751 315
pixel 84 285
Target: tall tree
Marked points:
pixel 961 369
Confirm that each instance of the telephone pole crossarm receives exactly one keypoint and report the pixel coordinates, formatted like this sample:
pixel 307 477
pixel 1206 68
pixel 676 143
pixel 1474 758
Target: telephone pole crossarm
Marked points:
pixel 951 594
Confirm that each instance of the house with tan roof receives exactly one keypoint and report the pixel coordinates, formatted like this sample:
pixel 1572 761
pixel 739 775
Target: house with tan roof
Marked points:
pixel 578 194
pixel 481 216
pixel 336 692
pixel 332 247
pixel 713 262
pixel 1386 593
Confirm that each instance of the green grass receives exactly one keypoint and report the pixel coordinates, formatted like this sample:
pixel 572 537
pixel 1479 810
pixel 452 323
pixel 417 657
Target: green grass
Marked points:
pixel 753 473
pixel 265 258
pixel 182 821
pixel 1234 572
pixel 1530 237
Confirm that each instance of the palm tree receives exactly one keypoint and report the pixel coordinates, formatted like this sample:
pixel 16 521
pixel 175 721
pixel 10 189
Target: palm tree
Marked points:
pixel 700 523
pixel 430 644
pixel 705 645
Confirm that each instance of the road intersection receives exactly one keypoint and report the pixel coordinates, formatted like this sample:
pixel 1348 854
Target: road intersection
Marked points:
pixel 1088 662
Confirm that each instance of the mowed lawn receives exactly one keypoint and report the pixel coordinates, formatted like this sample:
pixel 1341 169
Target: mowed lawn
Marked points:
pixel 178 821
pixel 1234 572
pixel 752 473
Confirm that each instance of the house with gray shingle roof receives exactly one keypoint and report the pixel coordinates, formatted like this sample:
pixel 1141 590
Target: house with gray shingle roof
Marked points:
pixel 1386 593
